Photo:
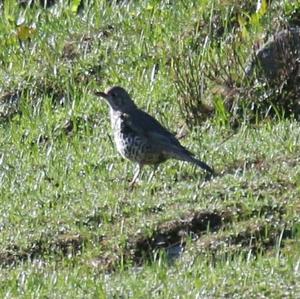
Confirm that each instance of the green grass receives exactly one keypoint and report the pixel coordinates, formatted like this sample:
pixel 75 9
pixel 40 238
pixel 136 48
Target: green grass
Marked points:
pixel 69 225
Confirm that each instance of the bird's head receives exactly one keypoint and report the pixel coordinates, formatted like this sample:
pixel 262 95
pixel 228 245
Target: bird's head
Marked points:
pixel 118 99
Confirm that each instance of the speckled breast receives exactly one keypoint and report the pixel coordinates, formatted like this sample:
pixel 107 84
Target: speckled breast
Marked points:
pixel 133 146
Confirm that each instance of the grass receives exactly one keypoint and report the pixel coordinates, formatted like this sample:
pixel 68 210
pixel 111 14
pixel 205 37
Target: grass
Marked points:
pixel 70 226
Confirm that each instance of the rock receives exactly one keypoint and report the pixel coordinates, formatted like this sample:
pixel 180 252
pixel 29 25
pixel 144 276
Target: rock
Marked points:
pixel 278 58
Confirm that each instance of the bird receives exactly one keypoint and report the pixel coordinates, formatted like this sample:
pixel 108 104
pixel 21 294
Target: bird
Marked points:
pixel 139 137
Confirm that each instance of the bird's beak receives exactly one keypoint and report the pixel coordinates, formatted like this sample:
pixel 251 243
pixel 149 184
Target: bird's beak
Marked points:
pixel 101 94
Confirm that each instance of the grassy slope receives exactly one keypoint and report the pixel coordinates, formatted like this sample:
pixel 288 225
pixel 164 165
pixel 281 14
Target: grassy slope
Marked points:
pixel 65 201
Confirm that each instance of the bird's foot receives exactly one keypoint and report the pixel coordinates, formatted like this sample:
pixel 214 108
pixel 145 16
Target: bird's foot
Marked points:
pixel 133 183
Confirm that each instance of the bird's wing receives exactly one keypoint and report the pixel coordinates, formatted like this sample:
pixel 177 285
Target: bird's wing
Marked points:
pixel 145 125
pixel 162 140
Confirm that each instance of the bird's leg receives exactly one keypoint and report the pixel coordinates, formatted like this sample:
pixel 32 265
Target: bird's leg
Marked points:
pixel 152 173
pixel 136 175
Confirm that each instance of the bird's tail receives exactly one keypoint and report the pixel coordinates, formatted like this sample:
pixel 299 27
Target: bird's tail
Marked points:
pixel 202 165
pixel 187 156
pixel 183 154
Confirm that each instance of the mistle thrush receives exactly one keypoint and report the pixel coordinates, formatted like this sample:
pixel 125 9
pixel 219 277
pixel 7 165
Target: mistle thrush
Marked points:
pixel 141 138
